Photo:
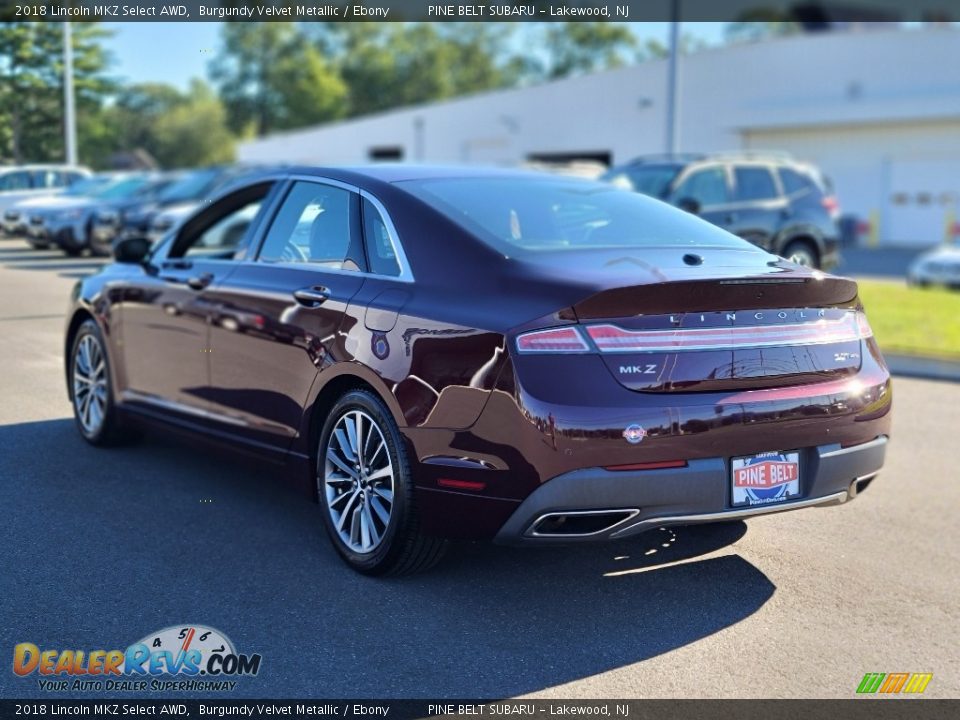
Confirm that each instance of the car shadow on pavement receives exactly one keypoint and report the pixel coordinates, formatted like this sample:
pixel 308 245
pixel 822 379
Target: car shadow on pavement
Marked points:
pixel 106 546
pixel 13 258
pixel 61 264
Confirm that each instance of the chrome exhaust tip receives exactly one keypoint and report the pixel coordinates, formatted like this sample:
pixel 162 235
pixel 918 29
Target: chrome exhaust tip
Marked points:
pixel 579 523
pixel 860 484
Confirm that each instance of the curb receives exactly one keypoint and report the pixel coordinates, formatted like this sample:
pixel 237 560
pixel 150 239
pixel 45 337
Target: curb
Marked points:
pixel 926 368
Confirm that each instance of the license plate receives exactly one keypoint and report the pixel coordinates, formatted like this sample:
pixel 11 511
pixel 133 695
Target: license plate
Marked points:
pixel 766 478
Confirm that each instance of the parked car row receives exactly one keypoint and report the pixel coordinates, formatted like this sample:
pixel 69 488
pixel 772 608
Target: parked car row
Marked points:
pixel 94 211
pixel 29 182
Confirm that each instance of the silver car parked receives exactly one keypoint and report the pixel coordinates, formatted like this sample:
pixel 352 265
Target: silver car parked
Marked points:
pixel 25 182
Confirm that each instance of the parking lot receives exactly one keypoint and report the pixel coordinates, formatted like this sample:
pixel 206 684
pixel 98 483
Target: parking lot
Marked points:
pixel 102 547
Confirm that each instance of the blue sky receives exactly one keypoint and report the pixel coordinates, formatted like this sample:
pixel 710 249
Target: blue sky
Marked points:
pixel 176 52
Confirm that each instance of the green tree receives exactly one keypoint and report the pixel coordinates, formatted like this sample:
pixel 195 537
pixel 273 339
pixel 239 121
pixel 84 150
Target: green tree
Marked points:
pixel 386 65
pixel 31 86
pixel 137 109
pixel 270 77
pixel 193 131
pixel 177 129
pixel 585 47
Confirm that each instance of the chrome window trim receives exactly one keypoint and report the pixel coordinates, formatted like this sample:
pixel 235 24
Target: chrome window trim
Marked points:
pixel 406 273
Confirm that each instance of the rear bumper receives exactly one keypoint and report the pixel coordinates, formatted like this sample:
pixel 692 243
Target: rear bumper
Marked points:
pixel 697 493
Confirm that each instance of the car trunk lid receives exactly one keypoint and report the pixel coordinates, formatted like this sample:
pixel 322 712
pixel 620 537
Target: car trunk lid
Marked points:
pixel 718 319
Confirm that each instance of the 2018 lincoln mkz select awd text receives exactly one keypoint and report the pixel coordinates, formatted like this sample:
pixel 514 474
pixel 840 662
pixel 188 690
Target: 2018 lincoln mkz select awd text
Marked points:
pixel 458 353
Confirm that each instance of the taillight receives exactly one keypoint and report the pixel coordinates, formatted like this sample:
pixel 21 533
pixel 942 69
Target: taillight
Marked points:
pixel 831 205
pixel 555 340
pixel 850 327
pixel 610 338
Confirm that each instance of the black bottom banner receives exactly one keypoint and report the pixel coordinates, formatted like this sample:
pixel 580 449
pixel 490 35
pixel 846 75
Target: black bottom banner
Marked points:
pixel 855 709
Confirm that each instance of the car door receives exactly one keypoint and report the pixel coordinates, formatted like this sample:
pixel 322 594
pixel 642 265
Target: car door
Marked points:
pixel 167 311
pixel 705 191
pixel 759 207
pixel 278 315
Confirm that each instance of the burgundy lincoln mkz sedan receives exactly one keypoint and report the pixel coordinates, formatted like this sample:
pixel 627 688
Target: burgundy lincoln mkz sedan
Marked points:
pixel 456 353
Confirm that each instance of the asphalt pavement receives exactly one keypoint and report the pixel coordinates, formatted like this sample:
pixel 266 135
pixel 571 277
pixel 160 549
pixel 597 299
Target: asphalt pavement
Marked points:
pixel 102 547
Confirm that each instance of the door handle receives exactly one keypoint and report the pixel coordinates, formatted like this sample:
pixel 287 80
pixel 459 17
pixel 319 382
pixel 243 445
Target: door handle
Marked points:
pixel 311 297
pixel 199 282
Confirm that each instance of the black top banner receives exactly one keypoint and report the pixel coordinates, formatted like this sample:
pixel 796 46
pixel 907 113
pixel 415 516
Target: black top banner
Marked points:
pixel 518 709
pixel 813 13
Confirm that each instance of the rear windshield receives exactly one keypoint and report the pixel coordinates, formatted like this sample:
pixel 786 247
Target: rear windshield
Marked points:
pixel 796 183
pixel 529 215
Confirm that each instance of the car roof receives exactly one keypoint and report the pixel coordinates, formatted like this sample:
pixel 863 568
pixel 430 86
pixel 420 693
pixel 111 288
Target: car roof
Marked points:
pixel 747 157
pixel 399 172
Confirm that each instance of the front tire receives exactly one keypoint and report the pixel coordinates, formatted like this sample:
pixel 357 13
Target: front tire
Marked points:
pixel 365 490
pixel 91 391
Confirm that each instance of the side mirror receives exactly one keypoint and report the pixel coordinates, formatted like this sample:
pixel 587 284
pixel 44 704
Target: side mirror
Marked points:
pixel 689 204
pixel 131 250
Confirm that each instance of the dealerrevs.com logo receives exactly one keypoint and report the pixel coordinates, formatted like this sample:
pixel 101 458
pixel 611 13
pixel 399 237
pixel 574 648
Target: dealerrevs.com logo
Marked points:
pixel 180 657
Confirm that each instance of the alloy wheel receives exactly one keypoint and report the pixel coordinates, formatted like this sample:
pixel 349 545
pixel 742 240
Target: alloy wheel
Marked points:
pixel 358 481
pixel 90 384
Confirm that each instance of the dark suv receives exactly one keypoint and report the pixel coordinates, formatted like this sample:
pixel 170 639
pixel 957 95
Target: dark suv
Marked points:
pixel 775 202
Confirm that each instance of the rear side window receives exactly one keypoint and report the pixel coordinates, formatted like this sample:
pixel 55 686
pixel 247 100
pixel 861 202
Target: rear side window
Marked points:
pixel 381 254
pixel 795 183
pixel 526 216
pixel 754 183
pixel 707 187
pixel 312 226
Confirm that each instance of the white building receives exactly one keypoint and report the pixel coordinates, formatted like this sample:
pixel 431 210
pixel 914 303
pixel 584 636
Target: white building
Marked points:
pixel 878 111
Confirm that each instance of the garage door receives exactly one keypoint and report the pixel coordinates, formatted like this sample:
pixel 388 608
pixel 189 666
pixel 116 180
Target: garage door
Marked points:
pixel 922 201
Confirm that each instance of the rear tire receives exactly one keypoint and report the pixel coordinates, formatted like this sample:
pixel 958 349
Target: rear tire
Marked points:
pixel 91 392
pixel 365 491
pixel 802 253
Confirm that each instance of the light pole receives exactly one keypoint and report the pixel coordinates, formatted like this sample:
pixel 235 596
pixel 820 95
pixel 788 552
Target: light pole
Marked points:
pixel 673 135
pixel 69 114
